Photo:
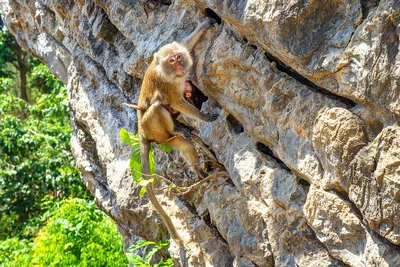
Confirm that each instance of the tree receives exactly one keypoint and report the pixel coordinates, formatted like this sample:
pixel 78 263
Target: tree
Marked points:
pixel 35 158
pixel 12 53
pixel 76 234
pixel 38 227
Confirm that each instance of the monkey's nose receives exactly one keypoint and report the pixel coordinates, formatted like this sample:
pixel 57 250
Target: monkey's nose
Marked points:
pixel 180 70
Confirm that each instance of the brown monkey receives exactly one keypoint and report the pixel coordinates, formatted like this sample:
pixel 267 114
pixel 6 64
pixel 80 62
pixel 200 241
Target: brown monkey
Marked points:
pixel 163 86
pixel 187 93
pixel 162 91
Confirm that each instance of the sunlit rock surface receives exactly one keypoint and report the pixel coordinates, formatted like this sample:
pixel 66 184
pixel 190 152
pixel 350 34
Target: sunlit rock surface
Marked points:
pixel 308 94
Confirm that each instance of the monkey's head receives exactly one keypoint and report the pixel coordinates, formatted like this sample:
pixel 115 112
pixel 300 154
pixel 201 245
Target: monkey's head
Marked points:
pixel 173 61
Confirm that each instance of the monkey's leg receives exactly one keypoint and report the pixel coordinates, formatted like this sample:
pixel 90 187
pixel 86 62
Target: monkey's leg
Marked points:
pixel 167 123
pixel 159 127
pixel 157 123
pixel 189 152
pixel 194 37
pixel 151 113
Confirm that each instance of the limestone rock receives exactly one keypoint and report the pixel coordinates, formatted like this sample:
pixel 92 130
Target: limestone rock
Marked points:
pixel 337 137
pixel 345 236
pixel 374 184
pixel 307 94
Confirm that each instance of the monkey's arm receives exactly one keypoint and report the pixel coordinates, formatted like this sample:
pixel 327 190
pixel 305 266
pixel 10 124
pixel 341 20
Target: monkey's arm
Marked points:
pixel 186 108
pixel 194 37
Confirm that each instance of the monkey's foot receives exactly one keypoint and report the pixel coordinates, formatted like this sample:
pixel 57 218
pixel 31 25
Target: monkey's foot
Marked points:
pixel 185 133
pixel 201 174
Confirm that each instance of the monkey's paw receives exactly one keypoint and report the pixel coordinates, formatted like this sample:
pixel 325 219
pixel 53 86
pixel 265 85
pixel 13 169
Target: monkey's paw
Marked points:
pixel 185 133
pixel 209 22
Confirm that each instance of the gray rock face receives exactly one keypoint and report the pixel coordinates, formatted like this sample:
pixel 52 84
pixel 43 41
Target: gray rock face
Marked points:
pixel 308 94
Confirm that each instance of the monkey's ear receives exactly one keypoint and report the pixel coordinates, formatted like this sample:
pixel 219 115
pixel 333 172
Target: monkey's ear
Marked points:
pixel 155 56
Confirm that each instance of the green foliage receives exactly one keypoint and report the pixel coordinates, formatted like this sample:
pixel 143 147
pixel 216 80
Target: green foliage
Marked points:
pixel 7 55
pixel 35 159
pixel 135 163
pixel 76 234
pixel 37 173
pixel 138 261
pixel 15 249
pixel 5 84
pixel 41 81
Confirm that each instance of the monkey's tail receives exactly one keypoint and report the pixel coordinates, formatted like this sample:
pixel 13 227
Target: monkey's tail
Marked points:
pixel 144 155
pixel 132 106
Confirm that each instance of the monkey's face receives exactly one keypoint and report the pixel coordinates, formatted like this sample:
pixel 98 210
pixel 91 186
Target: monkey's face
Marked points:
pixel 173 61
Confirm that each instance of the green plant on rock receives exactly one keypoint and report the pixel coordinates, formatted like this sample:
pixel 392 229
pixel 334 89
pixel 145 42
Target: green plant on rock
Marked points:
pixel 144 261
pixel 135 163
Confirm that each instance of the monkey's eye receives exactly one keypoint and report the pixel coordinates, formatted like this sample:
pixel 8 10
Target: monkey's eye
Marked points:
pixel 178 57
pixel 171 60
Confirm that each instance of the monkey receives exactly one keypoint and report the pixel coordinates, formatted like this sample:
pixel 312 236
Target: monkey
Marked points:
pixel 163 88
pixel 187 93
pixel 163 85
pixel 162 93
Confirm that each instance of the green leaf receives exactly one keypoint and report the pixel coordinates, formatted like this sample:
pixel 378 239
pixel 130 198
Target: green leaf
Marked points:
pixel 162 244
pixel 142 192
pixel 136 165
pixel 136 260
pixel 166 263
pixel 135 161
pixel 139 244
pixel 129 138
pixel 150 254
pixel 152 162
pixel 124 136
pixel 166 148
pixel 145 182
pixel 66 246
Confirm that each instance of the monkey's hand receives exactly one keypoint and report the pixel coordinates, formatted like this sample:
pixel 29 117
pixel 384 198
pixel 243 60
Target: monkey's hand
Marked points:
pixel 209 22
pixel 211 117
pixel 171 110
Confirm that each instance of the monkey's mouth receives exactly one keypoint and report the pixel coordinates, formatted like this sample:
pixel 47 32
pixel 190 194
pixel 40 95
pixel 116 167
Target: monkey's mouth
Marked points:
pixel 180 70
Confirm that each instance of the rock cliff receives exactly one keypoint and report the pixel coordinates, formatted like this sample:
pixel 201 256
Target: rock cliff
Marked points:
pixel 308 94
